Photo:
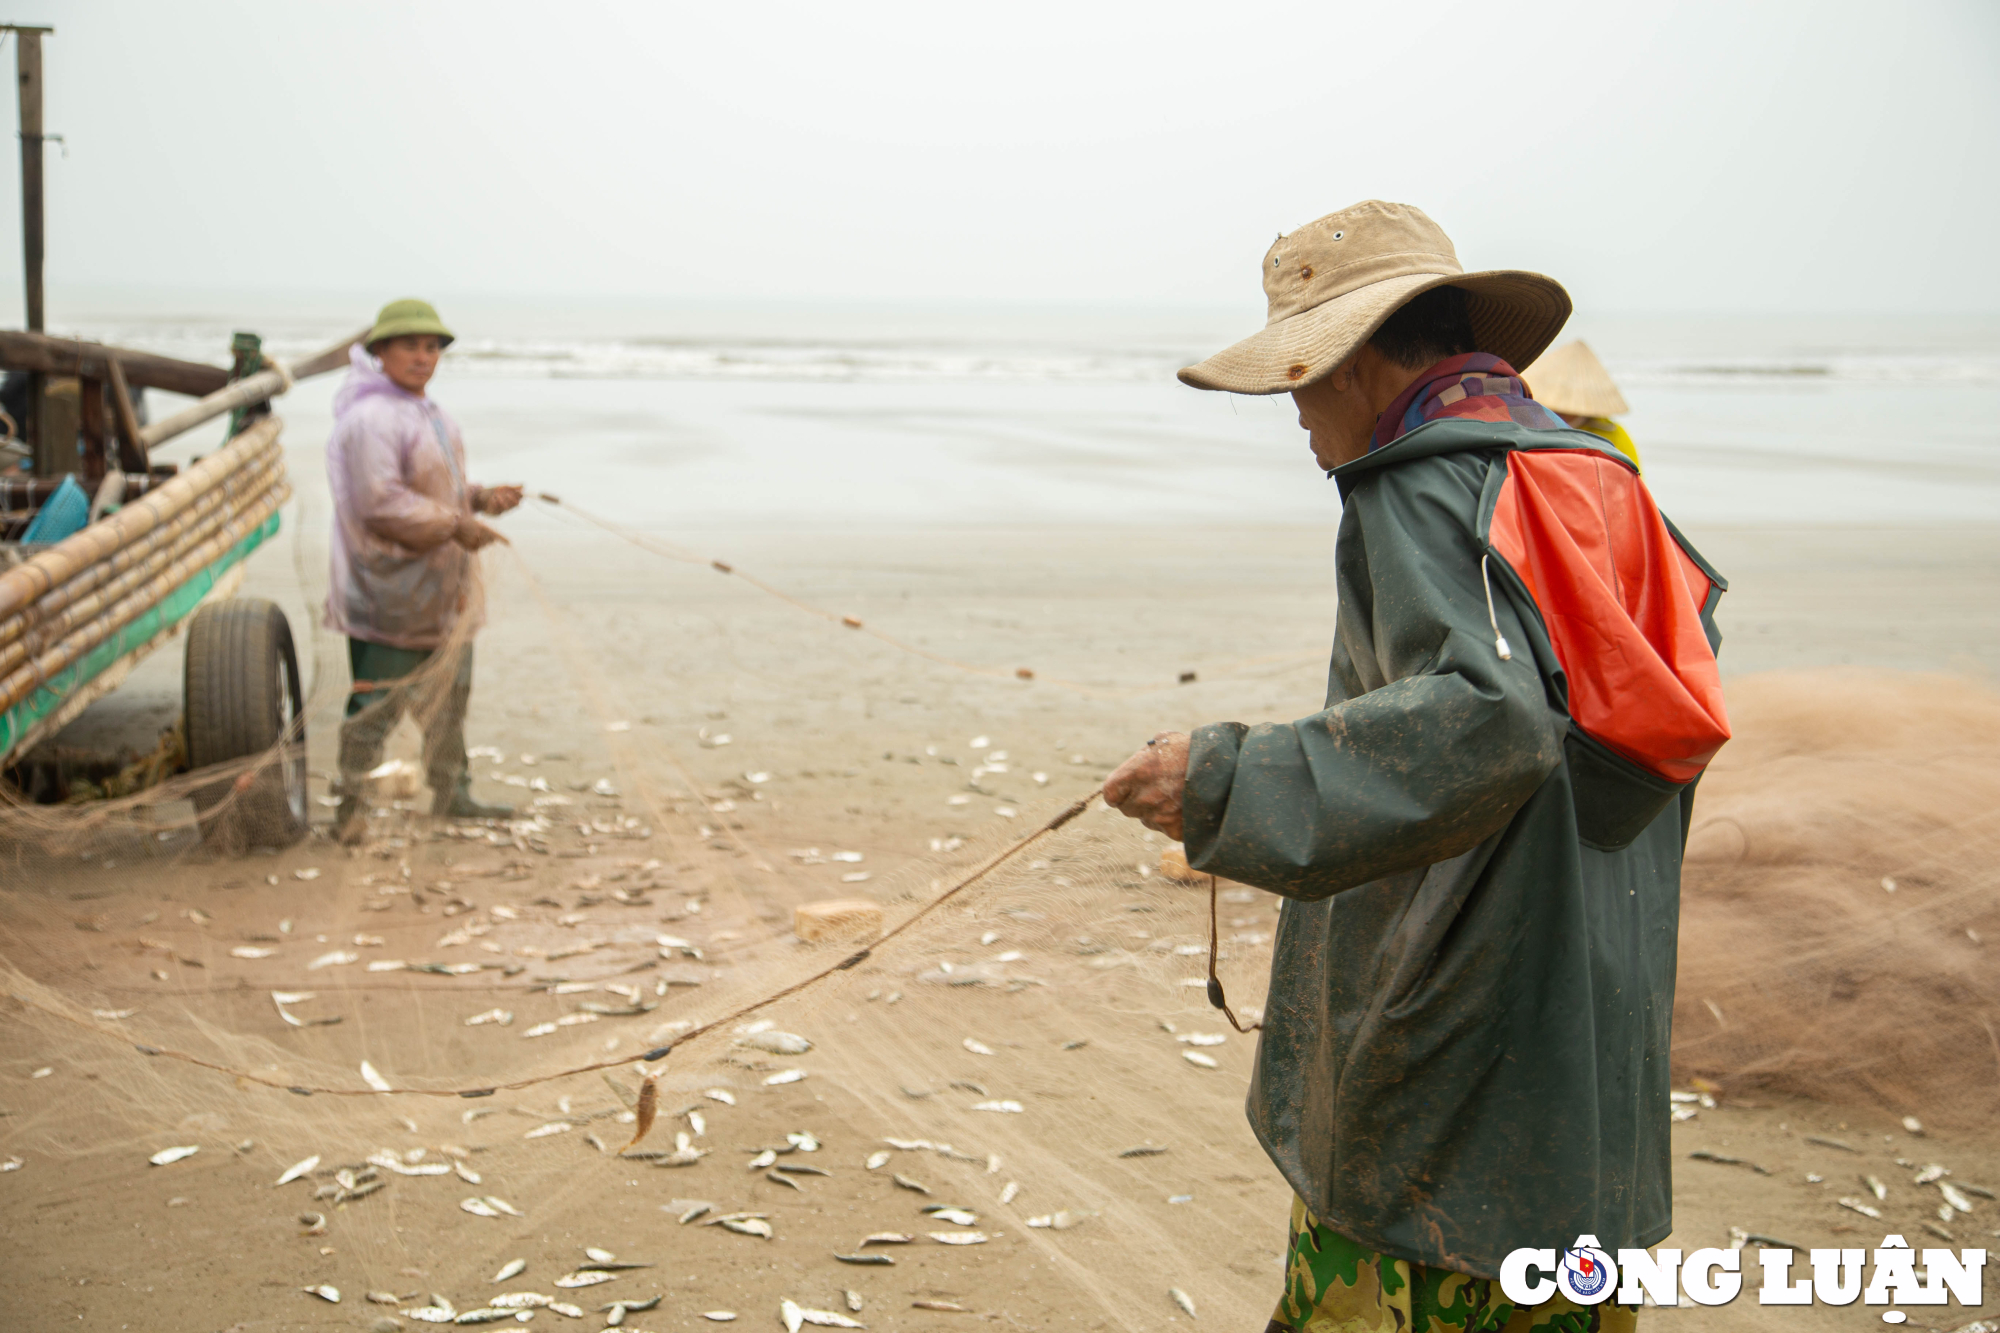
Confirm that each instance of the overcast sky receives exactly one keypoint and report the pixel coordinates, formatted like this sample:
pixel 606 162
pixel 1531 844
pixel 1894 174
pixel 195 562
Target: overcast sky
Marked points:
pixel 1736 156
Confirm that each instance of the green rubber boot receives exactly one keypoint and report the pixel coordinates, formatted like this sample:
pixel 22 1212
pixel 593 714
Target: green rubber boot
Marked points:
pixel 350 819
pixel 457 803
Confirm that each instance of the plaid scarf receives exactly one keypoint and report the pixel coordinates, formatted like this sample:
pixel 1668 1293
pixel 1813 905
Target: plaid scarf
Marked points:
pixel 1474 385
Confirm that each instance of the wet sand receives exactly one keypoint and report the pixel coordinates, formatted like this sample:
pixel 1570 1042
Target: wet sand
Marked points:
pixel 587 631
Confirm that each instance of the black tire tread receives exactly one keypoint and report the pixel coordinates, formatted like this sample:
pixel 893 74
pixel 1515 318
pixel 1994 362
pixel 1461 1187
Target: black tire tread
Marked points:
pixel 231 679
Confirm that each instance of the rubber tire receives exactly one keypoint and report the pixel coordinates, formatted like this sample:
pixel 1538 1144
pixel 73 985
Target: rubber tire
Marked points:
pixel 241 691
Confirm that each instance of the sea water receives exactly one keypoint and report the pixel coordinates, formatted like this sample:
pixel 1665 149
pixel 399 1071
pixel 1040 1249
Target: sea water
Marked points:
pixel 760 416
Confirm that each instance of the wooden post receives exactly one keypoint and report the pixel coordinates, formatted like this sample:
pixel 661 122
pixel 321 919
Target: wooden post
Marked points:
pixel 90 420
pixel 131 449
pixel 28 66
pixel 247 358
pixel 28 74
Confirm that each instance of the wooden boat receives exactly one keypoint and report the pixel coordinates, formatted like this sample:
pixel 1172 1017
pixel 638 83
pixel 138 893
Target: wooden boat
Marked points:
pixel 77 614
pixel 160 551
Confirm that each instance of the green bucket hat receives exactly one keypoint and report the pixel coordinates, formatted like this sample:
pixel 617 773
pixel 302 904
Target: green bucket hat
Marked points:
pixel 407 316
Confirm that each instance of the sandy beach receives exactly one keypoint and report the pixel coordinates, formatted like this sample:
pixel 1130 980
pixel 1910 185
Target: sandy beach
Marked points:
pixel 867 525
pixel 706 757
pixel 864 748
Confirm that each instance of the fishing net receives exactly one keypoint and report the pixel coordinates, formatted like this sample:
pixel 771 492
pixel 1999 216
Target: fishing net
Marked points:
pixel 437 1032
pixel 689 771
pixel 1841 899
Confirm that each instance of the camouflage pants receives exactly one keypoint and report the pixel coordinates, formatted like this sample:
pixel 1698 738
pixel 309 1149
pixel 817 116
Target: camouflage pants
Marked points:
pixel 1333 1285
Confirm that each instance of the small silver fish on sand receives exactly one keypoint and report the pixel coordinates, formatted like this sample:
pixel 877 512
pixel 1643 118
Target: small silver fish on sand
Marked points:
pixel 314 1224
pixel 909 1184
pixel 297 1169
pixel 748 1226
pixel 946 1306
pixel 382 1298
pixel 719 1316
pixel 584 1277
pixel 632 1307
pixel 853 1300
pixel 168 1156
pixel 958 1237
pixel 324 1292
pixel 958 1217
pixel 1185 1301
pixel 828 1319
pixel 466 1173
pixel 479 1207
pixel 503 1206
pixel 887 1238
pixel 784 1180
pixel 483 1315
pixel 439 1311
pixel 776 1043
pixel 763 1159
pixel 521 1300
pixel 882 1260
pixel 727 1098
pixel 695 1208
pixel 1008 1194
pixel 878 1160
pixel 601 1255
pixel 566 1310
pixel 1953 1197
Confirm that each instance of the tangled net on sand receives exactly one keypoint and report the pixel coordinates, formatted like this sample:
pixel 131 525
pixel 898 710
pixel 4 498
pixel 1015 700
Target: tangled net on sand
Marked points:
pixel 1840 913
pixel 1038 1051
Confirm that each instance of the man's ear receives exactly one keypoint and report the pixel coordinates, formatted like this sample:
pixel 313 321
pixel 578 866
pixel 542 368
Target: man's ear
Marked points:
pixel 1343 376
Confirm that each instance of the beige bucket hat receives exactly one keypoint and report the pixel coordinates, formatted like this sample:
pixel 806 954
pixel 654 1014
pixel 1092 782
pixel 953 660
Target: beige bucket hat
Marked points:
pixel 1572 381
pixel 1333 282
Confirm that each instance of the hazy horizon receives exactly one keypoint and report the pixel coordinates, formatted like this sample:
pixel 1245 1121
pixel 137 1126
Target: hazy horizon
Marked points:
pixel 1784 158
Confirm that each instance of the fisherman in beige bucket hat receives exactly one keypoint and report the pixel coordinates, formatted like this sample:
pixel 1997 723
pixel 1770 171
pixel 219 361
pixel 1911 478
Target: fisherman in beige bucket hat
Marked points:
pixel 1572 383
pixel 1478 838
pixel 1333 283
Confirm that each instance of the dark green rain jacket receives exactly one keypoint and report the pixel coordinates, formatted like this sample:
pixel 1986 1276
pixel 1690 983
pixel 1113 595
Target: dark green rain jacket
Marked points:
pixel 1465 1042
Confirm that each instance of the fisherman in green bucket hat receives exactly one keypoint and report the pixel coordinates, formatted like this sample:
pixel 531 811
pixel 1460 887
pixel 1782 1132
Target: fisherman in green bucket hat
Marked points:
pixel 405 588
pixel 407 318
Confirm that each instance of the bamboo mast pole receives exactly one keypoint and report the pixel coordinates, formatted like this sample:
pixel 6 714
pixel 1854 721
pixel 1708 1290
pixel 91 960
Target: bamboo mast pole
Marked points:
pixel 29 580
pixel 36 625
pixel 24 680
pixel 77 616
pixel 246 392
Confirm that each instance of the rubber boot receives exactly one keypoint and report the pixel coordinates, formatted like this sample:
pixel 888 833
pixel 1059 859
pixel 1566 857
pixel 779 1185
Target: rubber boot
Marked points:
pixel 456 803
pixel 350 819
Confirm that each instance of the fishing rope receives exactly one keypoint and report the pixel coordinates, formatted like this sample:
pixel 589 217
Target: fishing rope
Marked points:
pixel 668 551
pixel 1062 817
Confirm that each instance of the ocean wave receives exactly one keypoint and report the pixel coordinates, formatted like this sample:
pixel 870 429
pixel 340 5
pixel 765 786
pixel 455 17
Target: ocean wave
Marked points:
pixel 1023 361
pixel 1892 370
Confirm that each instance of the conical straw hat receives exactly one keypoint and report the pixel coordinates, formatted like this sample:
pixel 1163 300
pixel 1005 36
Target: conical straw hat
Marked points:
pixel 1571 380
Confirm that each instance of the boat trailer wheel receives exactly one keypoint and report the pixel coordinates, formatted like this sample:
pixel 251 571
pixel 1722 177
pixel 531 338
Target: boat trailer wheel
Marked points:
pixel 245 710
